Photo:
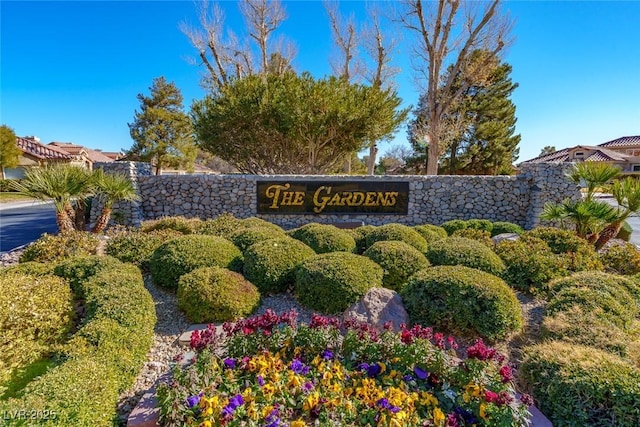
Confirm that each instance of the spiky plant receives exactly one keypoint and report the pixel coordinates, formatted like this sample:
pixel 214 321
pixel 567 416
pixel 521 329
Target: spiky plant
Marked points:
pixel 627 194
pixel 592 175
pixel 111 188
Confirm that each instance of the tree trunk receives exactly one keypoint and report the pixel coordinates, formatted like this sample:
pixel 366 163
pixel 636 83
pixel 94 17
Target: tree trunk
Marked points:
pixel 80 212
pixel 65 225
pixel 371 164
pixel 102 221
pixel 432 159
pixel 71 214
pixel 607 234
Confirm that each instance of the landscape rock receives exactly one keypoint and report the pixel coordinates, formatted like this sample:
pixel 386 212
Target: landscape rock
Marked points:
pixel 510 237
pixel 378 306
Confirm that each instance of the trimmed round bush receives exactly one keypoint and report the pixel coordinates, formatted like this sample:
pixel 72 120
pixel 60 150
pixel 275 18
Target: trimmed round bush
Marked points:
pixel 214 294
pixel 36 312
pixel 500 227
pixel 398 261
pixel 77 270
pixel 621 259
pixel 612 283
pixel 176 223
pixel 530 264
pixel 625 232
pixel 582 386
pixel 399 232
pixel 31 268
pixel 270 264
pixel 181 255
pixel 324 238
pixel 137 247
pixel 253 221
pixel 221 226
pixel 430 232
pixel 51 248
pixel 246 237
pixel 481 236
pixel 466 252
pixel 332 282
pixel 360 234
pixel 464 301
pixel 480 224
pixel 453 225
pixel 578 254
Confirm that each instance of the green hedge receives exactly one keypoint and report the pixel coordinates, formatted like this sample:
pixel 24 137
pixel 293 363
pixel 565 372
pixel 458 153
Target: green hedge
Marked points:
pixel 360 234
pixel 52 248
pixel 398 261
pixel 324 238
pixel 221 226
pixel 621 259
pixel 462 300
pixel 104 356
pixel 214 294
pixel 137 247
pixel 430 232
pixel 578 254
pixel 179 256
pixel 481 236
pixel 36 313
pixel 500 227
pixel 332 282
pixel 270 264
pixel 462 224
pixel 626 287
pixel 245 237
pixel 399 232
pixel 578 386
pixel 253 221
pixel 31 268
pixel 466 252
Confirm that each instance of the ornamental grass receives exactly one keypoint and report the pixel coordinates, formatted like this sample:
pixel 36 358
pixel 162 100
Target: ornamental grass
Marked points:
pixel 267 371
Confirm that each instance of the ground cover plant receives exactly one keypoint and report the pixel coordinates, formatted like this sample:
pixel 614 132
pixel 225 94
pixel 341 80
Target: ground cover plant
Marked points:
pixel 274 372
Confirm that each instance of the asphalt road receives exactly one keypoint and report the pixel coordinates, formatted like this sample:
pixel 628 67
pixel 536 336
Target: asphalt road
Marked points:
pixel 22 223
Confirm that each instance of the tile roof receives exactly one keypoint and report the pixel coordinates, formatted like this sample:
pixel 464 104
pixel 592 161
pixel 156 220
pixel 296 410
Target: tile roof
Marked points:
pixel 625 141
pixel 555 157
pixel 41 151
pixel 79 150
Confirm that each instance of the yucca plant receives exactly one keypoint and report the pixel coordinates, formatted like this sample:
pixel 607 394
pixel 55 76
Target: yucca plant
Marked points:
pixel 67 186
pixel 592 175
pixel 109 190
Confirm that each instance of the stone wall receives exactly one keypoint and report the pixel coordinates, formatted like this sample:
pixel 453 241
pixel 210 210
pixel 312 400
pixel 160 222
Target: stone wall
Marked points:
pixel 432 199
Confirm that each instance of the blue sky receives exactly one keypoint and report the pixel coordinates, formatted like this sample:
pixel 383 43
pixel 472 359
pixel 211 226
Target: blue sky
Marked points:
pixel 70 71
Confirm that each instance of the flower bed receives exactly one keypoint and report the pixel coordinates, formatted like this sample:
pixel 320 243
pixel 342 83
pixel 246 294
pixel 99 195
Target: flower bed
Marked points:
pixel 269 371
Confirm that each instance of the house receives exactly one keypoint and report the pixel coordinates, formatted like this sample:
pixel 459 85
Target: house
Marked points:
pixel 82 156
pixel 623 152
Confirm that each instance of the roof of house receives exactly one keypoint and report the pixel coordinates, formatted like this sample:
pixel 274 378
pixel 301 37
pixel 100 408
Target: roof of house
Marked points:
pixel 603 152
pixel 79 150
pixel 625 141
pixel 36 149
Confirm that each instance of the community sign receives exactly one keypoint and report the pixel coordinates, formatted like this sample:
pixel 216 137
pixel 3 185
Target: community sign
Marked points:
pixel 328 197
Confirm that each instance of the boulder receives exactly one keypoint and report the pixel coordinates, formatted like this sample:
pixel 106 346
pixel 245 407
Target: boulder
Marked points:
pixel 511 237
pixel 378 306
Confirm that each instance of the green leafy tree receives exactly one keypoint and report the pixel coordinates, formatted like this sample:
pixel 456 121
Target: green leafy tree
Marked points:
pixel 161 131
pixel 9 151
pixel 306 125
pixel 548 149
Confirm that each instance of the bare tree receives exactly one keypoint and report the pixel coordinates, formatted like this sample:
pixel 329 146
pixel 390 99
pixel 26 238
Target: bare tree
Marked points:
pixel 448 32
pixel 236 56
pixel 345 36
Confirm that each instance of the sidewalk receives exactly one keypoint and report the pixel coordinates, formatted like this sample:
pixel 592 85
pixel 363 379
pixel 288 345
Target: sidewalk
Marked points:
pixel 22 204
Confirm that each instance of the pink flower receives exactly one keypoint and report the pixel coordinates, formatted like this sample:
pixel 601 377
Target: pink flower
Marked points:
pixel 506 373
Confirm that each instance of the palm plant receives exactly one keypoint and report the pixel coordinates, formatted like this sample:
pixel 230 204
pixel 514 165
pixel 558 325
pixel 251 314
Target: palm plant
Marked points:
pixel 109 190
pixel 627 194
pixel 588 217
pixel 64 184
pixel 592 175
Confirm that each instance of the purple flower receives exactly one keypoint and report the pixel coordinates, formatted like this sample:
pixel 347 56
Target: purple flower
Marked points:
pixel 327 354
pixel 307 386
pixel 374 370
pixel 383 403
pixel 260 380
pixel 272 419
pixel 420 373
pixel 233 404
pixel 194 400
pixel 408 378
pixel 298 367
pixel 230 363
pixel 466 416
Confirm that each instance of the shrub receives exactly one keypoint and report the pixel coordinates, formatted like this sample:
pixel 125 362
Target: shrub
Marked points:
pixel 430 232
pixel 246 237
pixel 614 284
pixel 78 269
pixel 462 300
pixel 399 232
pixel 398 261
pixel 500 227
pixel 577 325
pixel 176 223
pixel 578 253
pixel 30 268
pixel 176 257
pixel 453 225
pixel 621 259
pixel 270 264
pixel 530 264
pixel 360 234
pixel 259 222
pixel 480 224
pixel 221 226
pixel 625 232
pixel 214 294
pixel 35 313
pixel 324 238
pixel 467 252
pixel 52 248
pixel 331 282
pixel 481 236
pixel 137 247
pixel 582 386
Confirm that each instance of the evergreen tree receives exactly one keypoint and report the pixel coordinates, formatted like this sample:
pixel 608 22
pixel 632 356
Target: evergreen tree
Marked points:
pixel 9 151
pixel 161 131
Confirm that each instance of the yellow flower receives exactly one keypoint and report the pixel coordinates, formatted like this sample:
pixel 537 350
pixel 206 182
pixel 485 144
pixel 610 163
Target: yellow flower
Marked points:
pixel 428 399
pixel 268 390
pixel 483 411
pixel 294 380
pixel 252 412
pixel 298 423
pixel 247 395
pixel 438 417
pixel 311 401
pixel 206 423
pixel 266 411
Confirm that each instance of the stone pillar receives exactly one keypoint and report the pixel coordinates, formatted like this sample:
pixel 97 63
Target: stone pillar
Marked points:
pixel 125 213
pixel 547 183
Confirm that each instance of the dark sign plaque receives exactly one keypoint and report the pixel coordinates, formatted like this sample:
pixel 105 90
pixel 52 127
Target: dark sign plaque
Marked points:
pixel 333 197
